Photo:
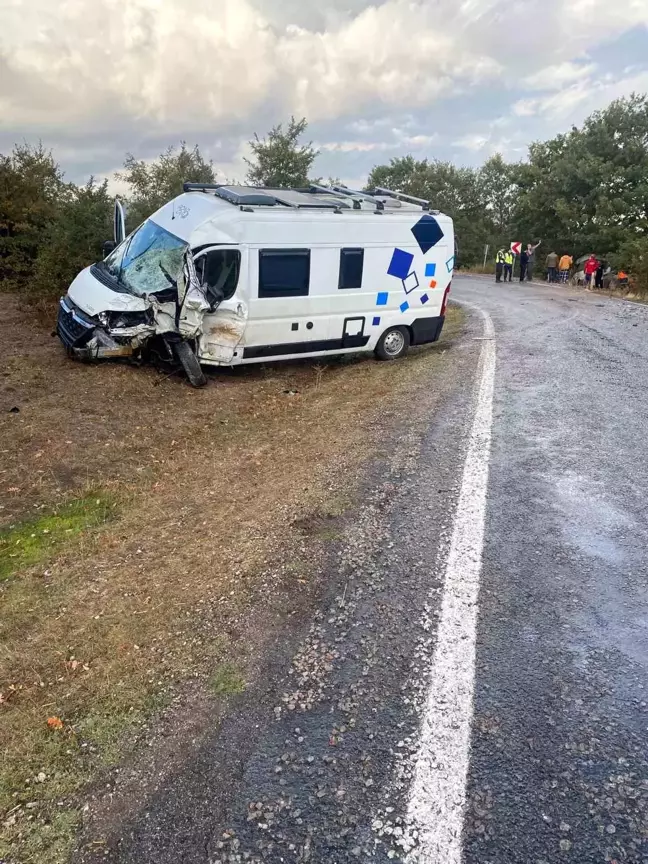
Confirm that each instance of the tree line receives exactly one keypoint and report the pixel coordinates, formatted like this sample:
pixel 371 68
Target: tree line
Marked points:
pixel 583 191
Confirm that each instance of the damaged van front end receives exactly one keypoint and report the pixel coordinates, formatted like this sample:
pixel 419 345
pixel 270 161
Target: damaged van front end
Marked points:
pixel 106 335
pixel 145 289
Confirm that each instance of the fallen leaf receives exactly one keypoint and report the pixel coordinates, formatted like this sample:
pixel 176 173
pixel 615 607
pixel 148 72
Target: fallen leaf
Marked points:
pixel 54 722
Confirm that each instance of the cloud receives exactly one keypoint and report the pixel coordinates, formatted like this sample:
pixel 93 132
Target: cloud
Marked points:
pixel 171 63
pixel 558 76
pixel 472 142
pixel 96 78
pixel 582 98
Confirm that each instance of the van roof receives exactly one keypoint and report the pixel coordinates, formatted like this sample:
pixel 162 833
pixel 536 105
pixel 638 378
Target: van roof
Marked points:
pixel 313 197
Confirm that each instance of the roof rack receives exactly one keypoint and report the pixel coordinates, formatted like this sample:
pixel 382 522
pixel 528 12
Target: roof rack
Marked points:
pixel 247 198
pixel 313 197
pixel 359 196
pixel 400 196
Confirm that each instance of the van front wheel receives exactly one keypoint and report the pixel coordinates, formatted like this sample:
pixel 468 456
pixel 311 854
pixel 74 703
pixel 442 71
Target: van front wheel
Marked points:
pixel 190 364
pixel 393 344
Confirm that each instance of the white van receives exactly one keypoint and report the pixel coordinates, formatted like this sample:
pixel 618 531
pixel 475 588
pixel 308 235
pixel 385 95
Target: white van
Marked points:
pixel 224 275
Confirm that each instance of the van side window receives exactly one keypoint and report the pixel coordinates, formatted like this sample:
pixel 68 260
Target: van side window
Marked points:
pixel 284 272
pixel 351 264
pixel 218 271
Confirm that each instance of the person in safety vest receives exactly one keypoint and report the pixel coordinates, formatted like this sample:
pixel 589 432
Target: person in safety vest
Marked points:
pixel 509 258
pixel 500 259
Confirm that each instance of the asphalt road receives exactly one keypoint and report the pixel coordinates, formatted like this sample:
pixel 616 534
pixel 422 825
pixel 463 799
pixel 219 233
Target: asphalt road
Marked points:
pixel 559 765
pixel 472 688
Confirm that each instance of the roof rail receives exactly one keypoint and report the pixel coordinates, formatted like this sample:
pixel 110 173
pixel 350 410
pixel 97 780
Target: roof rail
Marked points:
pixel 400 196
pixel 200 187
pixel 358 196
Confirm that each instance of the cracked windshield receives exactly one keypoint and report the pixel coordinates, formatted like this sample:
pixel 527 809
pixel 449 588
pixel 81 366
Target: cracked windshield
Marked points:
pixel 148 260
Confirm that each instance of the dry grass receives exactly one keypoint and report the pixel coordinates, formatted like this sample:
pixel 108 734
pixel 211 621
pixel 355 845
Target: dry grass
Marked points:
pixel 210 486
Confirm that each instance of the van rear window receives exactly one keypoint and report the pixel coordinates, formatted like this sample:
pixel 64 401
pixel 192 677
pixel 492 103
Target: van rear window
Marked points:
pixel 284 272
pixel 351 265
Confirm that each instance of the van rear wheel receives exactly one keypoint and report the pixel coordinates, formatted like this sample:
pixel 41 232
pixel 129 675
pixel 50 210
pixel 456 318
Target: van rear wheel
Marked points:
pixel 393 344
pixel 190 364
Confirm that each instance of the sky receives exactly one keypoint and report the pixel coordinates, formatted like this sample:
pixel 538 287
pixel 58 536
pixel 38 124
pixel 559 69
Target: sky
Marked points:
pixel 376 79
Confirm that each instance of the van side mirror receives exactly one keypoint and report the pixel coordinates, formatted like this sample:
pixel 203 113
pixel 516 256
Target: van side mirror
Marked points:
pixel 108 247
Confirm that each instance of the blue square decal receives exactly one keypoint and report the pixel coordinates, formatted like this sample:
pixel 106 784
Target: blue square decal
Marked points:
pixel 427 232
pixel 430 271
pixel 401 264
pixel 382 299
pixel 376 322
pixel 404 306
pixel 424 299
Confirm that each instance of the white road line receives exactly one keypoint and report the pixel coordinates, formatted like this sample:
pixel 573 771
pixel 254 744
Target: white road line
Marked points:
pixel 438 793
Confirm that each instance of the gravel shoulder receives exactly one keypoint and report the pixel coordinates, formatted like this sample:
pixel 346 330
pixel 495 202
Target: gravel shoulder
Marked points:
pixel 160 641
pixel 311 761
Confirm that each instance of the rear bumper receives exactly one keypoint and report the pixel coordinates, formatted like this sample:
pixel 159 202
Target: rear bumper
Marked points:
pixel 426 330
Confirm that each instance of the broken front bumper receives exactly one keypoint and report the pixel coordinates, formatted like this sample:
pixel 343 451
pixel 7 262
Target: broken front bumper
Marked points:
pixel 85 338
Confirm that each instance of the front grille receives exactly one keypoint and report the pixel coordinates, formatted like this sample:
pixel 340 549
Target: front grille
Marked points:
pixel 73 326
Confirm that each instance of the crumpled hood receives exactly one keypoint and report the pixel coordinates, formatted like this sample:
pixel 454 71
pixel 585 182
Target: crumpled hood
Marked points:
pixel 93 297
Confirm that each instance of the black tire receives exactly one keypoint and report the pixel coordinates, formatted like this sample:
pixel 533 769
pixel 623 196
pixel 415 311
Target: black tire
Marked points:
pixel 190 364
pixel 393 344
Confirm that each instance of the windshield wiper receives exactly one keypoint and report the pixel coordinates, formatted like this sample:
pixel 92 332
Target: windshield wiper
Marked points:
pixel 106 276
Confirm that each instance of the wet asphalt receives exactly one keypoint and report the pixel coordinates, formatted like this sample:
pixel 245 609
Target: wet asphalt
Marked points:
pixel 316 765
pixel 559 763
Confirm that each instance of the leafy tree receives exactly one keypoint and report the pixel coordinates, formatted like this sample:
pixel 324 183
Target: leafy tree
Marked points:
pixel 31 190
pixel 279 160
pixel 586 191
pixel 497 182
pixel 153 184
pixel 74 238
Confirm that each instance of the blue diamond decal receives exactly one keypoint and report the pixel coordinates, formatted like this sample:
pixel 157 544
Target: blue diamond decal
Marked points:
pixel 427 232
pixel 404 306
pixel 382 299
pixel 430 271
pixel 401 264
pixel 424 299
pixel 450 264
pixel 376 322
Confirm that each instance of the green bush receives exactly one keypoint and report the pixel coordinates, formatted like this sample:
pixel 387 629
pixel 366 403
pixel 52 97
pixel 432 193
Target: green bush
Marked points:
pixel 73 240
pixel 31 191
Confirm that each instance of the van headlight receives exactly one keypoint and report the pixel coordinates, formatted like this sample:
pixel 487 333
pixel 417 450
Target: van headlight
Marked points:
pixel 121 320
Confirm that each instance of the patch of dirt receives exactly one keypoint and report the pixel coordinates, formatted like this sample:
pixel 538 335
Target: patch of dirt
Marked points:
pixel 213 487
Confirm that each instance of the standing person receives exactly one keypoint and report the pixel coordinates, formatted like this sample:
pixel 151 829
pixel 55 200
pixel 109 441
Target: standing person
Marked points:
pixel 591 266
pixel 600 270
pixel 509 258
pixel 552 267
pixel 499 265
pixel 531 250
pixel 565 266
pixel 524 263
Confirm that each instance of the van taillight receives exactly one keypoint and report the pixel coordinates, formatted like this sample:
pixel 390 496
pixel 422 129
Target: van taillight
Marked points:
pixel 445 299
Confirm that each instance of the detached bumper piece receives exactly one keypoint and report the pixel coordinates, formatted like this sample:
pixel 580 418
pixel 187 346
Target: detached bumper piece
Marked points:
pixel 83 337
